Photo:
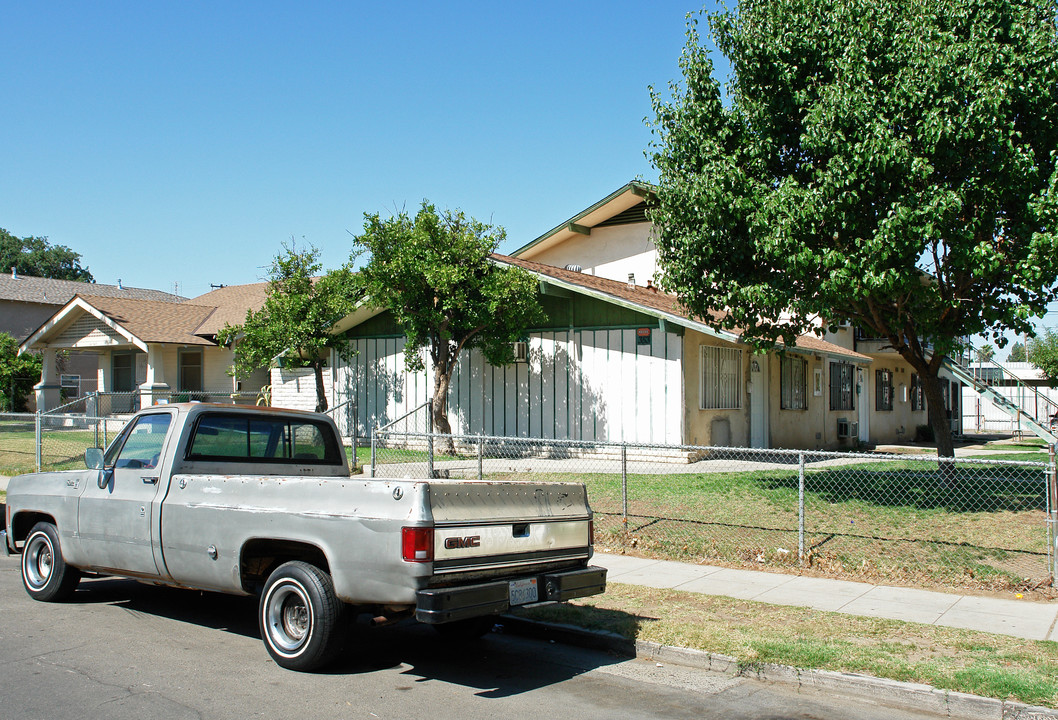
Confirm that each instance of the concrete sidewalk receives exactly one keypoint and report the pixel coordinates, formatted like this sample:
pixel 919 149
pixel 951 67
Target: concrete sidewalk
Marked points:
pixel 1018 618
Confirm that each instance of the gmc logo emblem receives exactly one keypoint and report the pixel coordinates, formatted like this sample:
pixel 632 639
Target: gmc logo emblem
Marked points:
pixel 455 543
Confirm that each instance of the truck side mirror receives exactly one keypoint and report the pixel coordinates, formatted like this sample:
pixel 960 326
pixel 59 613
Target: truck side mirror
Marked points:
pixel 93 458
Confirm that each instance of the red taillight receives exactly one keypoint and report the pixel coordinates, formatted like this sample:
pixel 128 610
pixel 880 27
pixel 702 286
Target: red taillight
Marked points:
pixel 416 544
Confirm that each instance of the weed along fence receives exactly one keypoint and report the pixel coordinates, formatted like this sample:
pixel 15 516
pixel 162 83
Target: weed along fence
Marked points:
pixel 887 518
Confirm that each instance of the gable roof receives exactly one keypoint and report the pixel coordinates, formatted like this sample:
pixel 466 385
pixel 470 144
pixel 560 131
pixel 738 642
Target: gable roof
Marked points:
pixel 155 322
pixel 652 301
pixel 47 291
pixel 611 209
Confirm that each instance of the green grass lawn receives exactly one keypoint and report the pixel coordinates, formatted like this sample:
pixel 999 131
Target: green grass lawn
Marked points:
pixel 753 633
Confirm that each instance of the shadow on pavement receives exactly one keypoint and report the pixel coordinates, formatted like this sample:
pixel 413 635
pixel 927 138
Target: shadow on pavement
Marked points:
pixel 499 665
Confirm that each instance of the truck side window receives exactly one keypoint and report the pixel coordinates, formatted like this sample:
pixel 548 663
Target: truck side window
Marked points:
pixel 142 444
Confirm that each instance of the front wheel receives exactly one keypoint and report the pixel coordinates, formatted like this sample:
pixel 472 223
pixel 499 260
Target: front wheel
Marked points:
pixel 45 574
pixel 299 616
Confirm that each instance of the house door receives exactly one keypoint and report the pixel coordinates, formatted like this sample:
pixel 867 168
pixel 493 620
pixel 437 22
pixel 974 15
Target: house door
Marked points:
pixel 122 381
pixel 863 406
pixel 758 401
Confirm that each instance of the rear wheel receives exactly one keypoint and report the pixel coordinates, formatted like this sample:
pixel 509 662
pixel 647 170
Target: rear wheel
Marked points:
pixel 45 574
pixel 300 616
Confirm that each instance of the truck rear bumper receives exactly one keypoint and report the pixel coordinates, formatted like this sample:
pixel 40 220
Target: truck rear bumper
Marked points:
pixel 441 605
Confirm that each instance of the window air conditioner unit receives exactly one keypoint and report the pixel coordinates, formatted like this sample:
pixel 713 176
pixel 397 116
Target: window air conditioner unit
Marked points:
pixel 847 429
pixel 521 351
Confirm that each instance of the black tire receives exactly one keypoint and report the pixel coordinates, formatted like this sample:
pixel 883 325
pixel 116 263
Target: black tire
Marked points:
pixel 300 617
pixel 466 630
pixel 45 574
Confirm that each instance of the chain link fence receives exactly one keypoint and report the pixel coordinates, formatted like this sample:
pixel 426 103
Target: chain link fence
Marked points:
pixel 891 518
pixel 35 442
pixel 108 404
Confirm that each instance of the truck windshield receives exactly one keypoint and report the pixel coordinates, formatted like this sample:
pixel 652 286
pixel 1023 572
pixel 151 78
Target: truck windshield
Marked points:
pixel 262 439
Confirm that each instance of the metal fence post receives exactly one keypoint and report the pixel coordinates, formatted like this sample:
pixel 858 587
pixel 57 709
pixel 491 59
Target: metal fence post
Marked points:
pixel 350 417
pixel 38 437
pixel 429 439
pixel 1052 513
pixel 481 454
pixel 373 434
pixel 624 487
pixel 800 507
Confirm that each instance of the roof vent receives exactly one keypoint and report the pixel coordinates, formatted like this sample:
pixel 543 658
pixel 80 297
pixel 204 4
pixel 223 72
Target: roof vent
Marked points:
pixel 631 280
pixel 119 284
pixel 14 273
pixel 574 268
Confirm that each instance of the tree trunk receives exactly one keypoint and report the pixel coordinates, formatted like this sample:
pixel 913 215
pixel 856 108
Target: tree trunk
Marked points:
pixel 442 378
pixel 321 395
pixel 938 416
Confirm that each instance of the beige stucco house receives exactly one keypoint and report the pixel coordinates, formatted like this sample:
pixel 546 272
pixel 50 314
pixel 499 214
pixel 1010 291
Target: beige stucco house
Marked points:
pixel 149 351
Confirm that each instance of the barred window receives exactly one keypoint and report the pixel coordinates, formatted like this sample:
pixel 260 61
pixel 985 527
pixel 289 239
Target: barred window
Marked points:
pixel 917 396
pixel 721 378
pixel 842 383
pixel 883 389
pixel 793 382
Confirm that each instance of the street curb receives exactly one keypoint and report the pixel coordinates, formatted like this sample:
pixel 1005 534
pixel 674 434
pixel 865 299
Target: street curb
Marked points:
pixel 912 696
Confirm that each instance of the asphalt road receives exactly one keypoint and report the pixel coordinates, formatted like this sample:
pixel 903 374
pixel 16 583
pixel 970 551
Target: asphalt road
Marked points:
pixel 125 650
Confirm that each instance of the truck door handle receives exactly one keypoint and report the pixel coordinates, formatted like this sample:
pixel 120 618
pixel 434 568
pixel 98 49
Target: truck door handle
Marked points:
pixel 147 480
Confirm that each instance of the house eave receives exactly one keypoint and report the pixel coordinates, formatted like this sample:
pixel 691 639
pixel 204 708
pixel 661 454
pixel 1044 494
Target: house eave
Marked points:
pixel 580 224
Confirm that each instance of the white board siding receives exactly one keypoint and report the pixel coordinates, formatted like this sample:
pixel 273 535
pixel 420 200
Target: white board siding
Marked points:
pixel 581 385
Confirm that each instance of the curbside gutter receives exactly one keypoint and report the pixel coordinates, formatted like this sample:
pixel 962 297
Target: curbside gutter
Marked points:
pixel 911 696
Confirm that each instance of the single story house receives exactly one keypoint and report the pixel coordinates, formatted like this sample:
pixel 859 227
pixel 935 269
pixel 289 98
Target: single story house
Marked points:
pixel 26 302
pixel 150 351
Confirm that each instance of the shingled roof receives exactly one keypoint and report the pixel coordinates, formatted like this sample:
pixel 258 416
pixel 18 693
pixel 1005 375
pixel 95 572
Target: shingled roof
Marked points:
pixel 653 301
pixel 231 304
pixel 155 322
pixel 46 291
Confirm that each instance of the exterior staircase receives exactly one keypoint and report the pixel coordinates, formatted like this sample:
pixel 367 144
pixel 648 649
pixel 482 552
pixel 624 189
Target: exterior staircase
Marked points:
pixel 1023 421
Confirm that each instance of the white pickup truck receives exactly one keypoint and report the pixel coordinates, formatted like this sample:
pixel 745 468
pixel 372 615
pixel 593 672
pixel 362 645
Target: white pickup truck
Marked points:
pixel 260 501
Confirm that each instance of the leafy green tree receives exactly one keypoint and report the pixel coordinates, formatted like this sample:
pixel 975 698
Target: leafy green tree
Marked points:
pixel 296 317
pixel 985 353
pixel 888 162
pixel 1017 353
pixel 35 256
pixel 433 273
pixel 18 374
pixel 1043 353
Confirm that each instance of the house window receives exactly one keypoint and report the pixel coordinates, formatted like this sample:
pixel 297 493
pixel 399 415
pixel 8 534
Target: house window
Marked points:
pixel 721 383
pixel 918 400
pixel 189 370
pixel 883 389
pixel 793 382
pixel 842 382
pixel 71 386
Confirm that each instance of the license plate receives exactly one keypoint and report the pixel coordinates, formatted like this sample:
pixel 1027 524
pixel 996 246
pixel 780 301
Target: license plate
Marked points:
pixel 523 591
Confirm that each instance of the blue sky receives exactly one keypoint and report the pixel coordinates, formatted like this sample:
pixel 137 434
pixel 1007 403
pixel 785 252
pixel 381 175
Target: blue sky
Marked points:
pixel 179 145
pixel 183 143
